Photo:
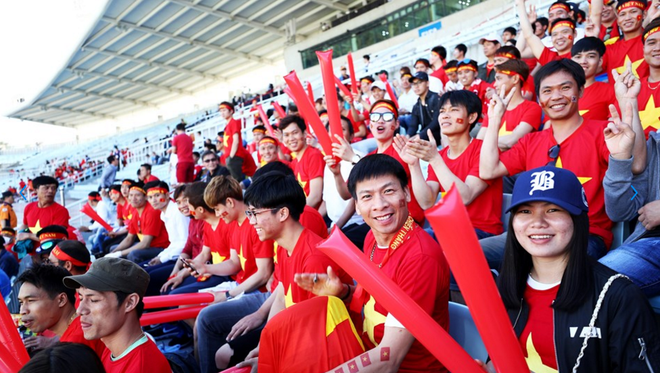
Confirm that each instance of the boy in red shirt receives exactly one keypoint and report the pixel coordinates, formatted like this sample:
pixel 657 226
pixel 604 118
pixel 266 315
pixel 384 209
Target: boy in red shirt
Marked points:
pixel 145 174
pixel 562 33
pixel 182 146
pixel 467 75
pixel 111 295
pixel 307 163
pixel 597 97
pixel 235 156
pixel 649 95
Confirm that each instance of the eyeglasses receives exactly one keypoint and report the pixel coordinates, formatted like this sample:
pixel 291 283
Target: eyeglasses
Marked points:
pixel 210 160
pixel 253 213
pixel 387 117
pixel 553 153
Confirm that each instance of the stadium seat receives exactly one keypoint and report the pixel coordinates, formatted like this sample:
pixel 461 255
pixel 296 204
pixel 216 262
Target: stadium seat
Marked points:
pixel 620 231
pixel 464 331
pixel 654 301
pixel 506 202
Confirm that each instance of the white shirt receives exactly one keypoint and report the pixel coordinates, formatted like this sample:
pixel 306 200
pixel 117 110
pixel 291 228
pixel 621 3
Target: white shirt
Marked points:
pixel 104 210
pixel 407 100
pixel 334 204
pixel 176 225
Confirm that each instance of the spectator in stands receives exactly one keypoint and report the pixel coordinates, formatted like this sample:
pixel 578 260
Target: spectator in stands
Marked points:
pixel 424 114
pixel 594 103
pixel 109 173
pixel 422 65
pixel 451 69
pixel 459 52
pixel 365 87
pixel 119 196
pixel 562 33
pixel 101 204
pixel 382 177
pixel 111 294
pixel 8 262
pixel 269 150
pixel 507 53
pixel 251 261
pixel 69 357
pixel 145 173
pixel 197 167
pixel 7 214
pixel 235 156
pixel 258 132
pixel 212 167
pixel 609 28
pixel 71 255
pixel 46 304
pixel 508 34
pixel 575 143
pixel 308 164
pixel 521 116
pixel 438 78
pixel 343 73
pixel 491 44
pixel 367 60
pixel 407 100
pixel 540 27
pixel 145 225
pixel 457 164
pixel 182 146
pixel 469 77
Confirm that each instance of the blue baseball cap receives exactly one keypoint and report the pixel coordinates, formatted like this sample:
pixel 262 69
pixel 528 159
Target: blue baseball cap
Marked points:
pixel 550 184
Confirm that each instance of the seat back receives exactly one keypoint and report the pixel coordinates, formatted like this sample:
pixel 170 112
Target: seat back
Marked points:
pixel 464 331
pixel 506 202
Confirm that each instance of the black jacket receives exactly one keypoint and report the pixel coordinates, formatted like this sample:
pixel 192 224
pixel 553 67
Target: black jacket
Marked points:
pixel 426 116
pixel 484 75
pixel 626 323
pixel 206 176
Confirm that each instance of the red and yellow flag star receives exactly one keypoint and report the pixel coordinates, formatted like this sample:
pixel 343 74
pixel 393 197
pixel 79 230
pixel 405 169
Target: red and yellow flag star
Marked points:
pixel 650 116
pixel 582 179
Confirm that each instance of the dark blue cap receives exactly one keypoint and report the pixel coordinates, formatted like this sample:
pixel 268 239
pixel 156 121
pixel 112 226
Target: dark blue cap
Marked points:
pixel 550 184
pixel 419 76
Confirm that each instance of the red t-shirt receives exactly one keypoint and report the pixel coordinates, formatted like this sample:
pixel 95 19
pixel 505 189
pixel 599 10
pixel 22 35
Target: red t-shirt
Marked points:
pixel 584 153
pixel 308 167
pixel 36 218
pixel 414 208
pixel 234 127
pixel 441 74
pixel 548 56
pixel 528 112
pixel 479 87
pixel 217 240
pixel 149 223
pixel 620 51
pixel 648 102
pixel 74 334
pixel 195 240
pixel 306 258
pixel 537 338
pixel 150 179
pixel 249 248
pixel 596 100
pixel 120 210
pixel 419 268
pixel 312 220
pixel 485 211
pixel 184 148
pixel 144 358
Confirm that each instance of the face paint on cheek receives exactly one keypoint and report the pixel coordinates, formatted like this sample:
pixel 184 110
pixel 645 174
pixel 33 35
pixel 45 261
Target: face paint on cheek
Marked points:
pixel 162 199
pixel 570 37
pixel 460 120
pixel 639 17
pixel 573 98
pixel 192 213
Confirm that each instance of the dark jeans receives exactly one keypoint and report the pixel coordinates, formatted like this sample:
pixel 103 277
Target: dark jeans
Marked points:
pixel 235 166
pixel 356 233
pixel 142 255
pixel 190 284
pixel 107 244
pixel 158 275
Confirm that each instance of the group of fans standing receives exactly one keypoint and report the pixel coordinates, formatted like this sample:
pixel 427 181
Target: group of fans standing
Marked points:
pixel 565 121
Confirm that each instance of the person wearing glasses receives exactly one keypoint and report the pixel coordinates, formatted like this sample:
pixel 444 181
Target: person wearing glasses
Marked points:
pixel 572 142
pixel 250 261
pixel 212 167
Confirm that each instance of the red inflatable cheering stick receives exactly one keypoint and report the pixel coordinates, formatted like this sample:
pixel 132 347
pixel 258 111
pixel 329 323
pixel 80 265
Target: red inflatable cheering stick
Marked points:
pixel 278 109
pixel 331 102
pixel 264 118
pixel 452 226
pixel 12 350
pixel 383 77
pixel 419 323
pixel 89 211
pixel 351 70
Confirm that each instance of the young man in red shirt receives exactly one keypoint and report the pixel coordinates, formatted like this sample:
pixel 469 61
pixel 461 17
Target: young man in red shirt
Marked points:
pixel 404 252
pixel 562 32
pixel 145 174
pixel 308 162
pixel 119 195
pixel 438 78
pixel 250 261
pixel 111 295
pixel 44 212
pixel 182 146
pixel 572 143
pixel 597 97
pixel 467 75
pixel 234 155
pixel 649 95
pixel 522 116
pixel 146 226
pixel 47 305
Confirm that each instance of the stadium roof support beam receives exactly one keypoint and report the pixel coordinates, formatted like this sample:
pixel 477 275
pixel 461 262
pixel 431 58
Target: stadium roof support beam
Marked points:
pixel 45 107
pixel 108 97
pixel 181 39
pixel 331 4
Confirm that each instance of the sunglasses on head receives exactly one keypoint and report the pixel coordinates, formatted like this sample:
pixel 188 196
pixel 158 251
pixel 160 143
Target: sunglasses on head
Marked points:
pixel 387 117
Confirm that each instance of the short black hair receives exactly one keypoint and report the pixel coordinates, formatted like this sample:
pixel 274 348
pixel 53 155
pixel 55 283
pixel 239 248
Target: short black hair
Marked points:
pixel 49 278
pixel 44 180
pixel 275 190
pixel 467 99
pixel 441 51
pixel 146 166
pixel 373 166
pixel 384 72
pixel 207 153
pixel 516 66
pixel 511 30
pixel 181 127
pixel 653 24
pixel 226 103
pixel 462 48
pixel 179 190
pixel 259 127
pixel 295 119
pixel 588 44
pixel 571 67
pixel 366 57
pixel 556 21
pixel 543 21
pixel 111 159
pixel 65 357
pixel 121 297
pixel 468 61
pixel 508 49
pixel 450 64
pixel 127 181
pixel 156 184
pixel 275 166
pixel 195 194
pixel 424 61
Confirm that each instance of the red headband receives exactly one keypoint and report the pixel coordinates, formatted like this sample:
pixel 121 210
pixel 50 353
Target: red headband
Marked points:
pixel 114 191
pixel 324 115
pixel 559 5
pixel 510 73
pixel 506 55
pixel 451 69
pixel 93 198
pixel 61 255
pixel 260 130
pixel 650 32
pixel 8 232
pixel 137 188
pixel 365 80
pixel 268 140
pixel 156 190
pixel 563 23
pixel 225 106
pixel 386 105
pixel 630 4
pixel 126 183
pixel 52 236
pixel 467 67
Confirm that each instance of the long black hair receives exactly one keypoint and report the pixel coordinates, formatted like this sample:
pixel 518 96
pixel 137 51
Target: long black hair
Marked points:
pixel 576 281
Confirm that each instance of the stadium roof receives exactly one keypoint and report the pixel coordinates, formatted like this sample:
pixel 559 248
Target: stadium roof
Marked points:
pixel 142 53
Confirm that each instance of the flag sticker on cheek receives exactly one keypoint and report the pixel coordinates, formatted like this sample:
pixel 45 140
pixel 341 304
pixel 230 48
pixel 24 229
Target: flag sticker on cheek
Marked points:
pixel 639 17
pixel 570 37
pixel 162 199
pixel 460 120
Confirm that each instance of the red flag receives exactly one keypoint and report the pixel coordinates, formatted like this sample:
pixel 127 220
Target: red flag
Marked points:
pixel 364 358
pixel 384 354
pixel 351 70
pixel 353 367
pixel 11 341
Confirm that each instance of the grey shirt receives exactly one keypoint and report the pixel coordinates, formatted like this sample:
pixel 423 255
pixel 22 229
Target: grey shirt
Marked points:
pixel 108 176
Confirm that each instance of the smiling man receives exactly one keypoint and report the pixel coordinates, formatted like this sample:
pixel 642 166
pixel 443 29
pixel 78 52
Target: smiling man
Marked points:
pixel 597 97
pixel 562 33
pixel 111 294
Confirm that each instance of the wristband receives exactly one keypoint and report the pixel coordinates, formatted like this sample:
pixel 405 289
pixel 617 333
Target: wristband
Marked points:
pixel 227 295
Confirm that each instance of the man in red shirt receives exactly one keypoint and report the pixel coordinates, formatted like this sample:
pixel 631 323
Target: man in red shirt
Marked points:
pixel 235 156
pixel 562 33
pixel 111 294
pixel 597 97
pixel 308 162
pixel 649 95
pixel 437 61
pixel 404 252
pixel 572 142
pixel 145 174
pixel 182 146
pixel 119 195
pixel 146 226
pixel 467 75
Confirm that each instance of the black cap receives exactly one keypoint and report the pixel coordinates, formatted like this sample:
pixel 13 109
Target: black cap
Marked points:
pixel 420 75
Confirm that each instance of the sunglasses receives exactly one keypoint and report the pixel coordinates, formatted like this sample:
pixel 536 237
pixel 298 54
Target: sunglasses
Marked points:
pixel 553 153
pixel 387 117
pixel 210 160
pixel 47 246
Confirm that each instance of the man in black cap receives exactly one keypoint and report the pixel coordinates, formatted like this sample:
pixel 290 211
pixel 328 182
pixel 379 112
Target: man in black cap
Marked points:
pixel 111 294
pixel 7 214
pixel 425 112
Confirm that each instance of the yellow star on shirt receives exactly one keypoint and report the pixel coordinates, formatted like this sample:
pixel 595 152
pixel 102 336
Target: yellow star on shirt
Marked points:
pixel 372 318
pixel 582 112
pixel 302 183
pixel 217 258
pixel 580 178
pixel 635 64
pixel 533 359
pixel 650 116
pixel 36 228
pixel 503 131
pixel 288 298
pixel 241 257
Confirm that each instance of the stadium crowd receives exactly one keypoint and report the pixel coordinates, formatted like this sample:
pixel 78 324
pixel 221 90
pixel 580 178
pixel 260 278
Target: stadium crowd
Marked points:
pixel 562 117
